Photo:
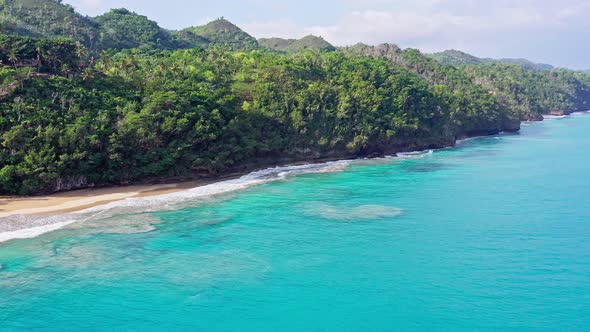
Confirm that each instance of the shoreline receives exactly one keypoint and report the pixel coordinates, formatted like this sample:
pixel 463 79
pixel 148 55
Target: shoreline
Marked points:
pixel 82 199
pixel 64 203
pixel 62 209
pixel 77 200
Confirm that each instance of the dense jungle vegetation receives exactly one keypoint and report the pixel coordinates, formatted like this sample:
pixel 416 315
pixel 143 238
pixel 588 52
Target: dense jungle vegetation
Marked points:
pixel 116 99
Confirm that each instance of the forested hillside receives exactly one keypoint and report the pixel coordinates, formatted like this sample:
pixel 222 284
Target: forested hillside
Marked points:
pixel 296 45
pixel 457 58
pixel 118 29
pixel 219 33
pixel 46 18
pixel 136 103
pixel 528 93
pixel 121 29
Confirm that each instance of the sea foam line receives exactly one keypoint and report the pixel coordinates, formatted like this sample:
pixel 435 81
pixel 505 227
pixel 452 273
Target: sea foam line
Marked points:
pixel 34 226
pixel 414 153
pixel 553 117
pixel 580 113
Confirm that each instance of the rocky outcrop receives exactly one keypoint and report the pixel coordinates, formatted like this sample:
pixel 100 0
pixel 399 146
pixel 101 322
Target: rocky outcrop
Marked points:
pixel 390 52
pixel 511 125
pixel 71 183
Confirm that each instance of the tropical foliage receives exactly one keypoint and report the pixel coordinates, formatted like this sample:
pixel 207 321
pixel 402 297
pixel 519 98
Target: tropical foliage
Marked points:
pixel 118 100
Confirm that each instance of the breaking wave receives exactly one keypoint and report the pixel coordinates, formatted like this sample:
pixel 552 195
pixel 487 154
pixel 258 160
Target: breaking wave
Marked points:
pixel 30 226
pixel 550 117
pixel 414 153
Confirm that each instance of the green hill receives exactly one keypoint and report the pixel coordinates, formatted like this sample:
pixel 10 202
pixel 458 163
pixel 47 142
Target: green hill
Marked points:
pixel 220 32
pixel 117 29
pixel 524 63
pixel 457 58
pixel 310 43
pixel 46 18
pixel 296 45
pixel 527 93
pixel 121 29
pixel 276 44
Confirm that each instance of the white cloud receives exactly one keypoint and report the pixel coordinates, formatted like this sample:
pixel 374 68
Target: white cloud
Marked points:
pixel 349 21
pixel 431 23
pixel 87 5
pixel 278 28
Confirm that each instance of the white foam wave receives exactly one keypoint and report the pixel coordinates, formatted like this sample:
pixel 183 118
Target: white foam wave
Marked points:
pixel 28 233
pixel 464 140
pixel 412 154
pixel 552 117
pixel 255 178
pixel 30 226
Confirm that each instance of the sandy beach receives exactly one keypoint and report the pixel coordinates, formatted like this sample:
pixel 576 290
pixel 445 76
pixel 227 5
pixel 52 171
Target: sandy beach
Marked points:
pixel 83 199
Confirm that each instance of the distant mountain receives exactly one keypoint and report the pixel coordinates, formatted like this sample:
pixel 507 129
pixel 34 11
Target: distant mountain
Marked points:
pixel 524 63
pixel 220 32
pixel 389 52
pixel 455 58
pixel 296 45
pixel 276 44
pixel 121 29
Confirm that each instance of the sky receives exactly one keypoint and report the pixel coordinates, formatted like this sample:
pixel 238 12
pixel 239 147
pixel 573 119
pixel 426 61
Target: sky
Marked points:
pixel 548 31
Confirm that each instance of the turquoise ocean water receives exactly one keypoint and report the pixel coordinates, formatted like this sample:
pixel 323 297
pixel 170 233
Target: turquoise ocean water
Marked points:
pixel 491 235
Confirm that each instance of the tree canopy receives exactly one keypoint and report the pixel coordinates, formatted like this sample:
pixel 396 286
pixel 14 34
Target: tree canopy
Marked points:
pixel 118 100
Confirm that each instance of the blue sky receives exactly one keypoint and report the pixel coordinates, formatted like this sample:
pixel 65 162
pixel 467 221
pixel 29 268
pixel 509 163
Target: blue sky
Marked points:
pixel 549 31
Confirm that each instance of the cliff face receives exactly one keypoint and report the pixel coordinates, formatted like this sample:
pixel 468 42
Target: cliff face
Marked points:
pixel 582 103
pixel 71 183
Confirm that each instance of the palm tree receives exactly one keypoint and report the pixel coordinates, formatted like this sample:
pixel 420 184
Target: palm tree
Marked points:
pixel 106 61
pixel 13 57
pixel 87 74
pixel 81 51
pixel 65 70
pixel 38 50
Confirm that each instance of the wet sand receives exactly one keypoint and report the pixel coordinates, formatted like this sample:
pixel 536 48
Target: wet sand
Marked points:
pixel 83 199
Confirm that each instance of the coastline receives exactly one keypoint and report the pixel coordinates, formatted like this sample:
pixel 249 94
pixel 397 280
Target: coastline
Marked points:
pixel 15 210
pixel 29 217
pixel 82 199
pixel 79 200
